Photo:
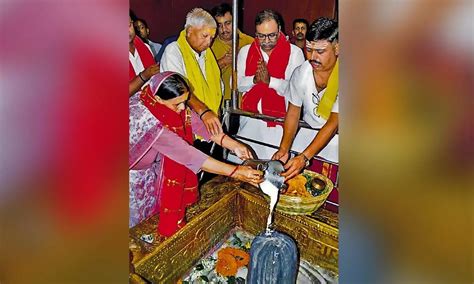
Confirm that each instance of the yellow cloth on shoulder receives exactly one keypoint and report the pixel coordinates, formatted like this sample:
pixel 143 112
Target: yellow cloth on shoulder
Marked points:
pixel 220 48
pixel 208 88
pixel 329 97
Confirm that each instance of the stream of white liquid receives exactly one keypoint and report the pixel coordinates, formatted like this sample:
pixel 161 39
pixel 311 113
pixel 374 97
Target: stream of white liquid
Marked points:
pixel 272 191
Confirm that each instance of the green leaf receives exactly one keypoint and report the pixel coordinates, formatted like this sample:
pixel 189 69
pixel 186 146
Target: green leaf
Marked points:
pixel 185 282
pixel 203 277
pixel 231 280
pixel 240 280
pixel 199 267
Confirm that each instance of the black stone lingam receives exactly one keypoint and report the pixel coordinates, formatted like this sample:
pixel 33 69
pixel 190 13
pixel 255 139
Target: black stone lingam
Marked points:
pixel 273 259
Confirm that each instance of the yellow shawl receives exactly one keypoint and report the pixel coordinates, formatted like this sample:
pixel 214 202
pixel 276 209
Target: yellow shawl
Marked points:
pixel 220 48
pixel 329 97
pixel 207 89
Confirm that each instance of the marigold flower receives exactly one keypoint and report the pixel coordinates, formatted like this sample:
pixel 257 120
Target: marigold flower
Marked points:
pixel 226 265
pixel 241 257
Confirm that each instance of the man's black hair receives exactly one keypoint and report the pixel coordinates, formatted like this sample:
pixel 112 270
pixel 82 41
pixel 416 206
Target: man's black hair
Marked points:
pixel 143 21
pixel 132 15
pixel 267 15
pixel 323 28
pixel 221 10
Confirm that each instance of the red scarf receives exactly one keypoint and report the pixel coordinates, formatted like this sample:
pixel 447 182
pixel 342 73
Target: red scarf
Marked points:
pixel 145 55
pixel 179 186
pixel 272 103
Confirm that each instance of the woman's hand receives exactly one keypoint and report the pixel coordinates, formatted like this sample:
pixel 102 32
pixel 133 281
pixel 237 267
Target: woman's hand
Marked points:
pixel 242 152
pixel 247 174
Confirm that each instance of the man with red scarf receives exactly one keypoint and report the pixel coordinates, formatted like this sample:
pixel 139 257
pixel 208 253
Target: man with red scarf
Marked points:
pixel 141 65
pixel 264 69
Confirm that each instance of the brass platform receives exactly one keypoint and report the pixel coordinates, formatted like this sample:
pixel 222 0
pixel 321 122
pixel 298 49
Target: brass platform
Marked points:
pixel 224 205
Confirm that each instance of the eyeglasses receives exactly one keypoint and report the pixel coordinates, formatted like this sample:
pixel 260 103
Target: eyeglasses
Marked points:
pixel 271 36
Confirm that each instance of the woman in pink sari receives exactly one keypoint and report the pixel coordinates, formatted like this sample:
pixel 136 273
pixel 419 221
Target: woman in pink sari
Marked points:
pixel 162 161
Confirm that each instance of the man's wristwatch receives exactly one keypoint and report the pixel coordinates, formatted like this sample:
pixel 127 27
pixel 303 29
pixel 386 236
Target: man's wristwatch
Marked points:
pixel 306 160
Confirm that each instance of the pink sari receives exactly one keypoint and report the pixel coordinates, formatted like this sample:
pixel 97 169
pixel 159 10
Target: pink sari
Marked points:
pixel 149 145
pixel 145 168
pixel 145 129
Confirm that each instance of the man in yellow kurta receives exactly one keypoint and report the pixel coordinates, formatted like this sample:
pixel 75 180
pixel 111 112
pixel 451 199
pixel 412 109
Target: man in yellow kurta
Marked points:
pixel 222 46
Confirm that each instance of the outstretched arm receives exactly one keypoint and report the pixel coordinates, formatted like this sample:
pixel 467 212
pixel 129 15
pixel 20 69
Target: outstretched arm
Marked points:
pixel 242 173
pixel 296 164
pixel 289 130
pixel 241 151
pixel 210 119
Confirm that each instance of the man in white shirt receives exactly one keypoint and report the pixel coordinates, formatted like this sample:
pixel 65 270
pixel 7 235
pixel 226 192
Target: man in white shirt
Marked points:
pixel 313 86
pixel 263 72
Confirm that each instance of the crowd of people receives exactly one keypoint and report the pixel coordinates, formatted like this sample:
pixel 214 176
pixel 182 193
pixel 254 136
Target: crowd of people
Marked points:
pixel 176 104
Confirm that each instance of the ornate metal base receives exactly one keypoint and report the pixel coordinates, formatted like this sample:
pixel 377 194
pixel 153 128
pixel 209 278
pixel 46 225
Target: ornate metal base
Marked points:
pixel 225 204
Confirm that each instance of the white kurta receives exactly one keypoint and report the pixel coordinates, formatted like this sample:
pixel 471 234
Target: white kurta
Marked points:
pixel 302 92
pixel 256 129
pixel 136 61
pixel 172 60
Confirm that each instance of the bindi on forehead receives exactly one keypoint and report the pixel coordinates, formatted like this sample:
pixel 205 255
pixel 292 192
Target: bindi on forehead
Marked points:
pixel 317 44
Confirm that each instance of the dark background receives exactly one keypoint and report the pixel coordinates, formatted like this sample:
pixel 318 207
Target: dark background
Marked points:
pixel 167 18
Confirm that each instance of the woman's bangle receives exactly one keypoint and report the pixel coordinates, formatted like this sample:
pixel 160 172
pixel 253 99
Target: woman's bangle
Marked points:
pixel 200 116
pixel 233 172
pixel 140 75
pixel 222 139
